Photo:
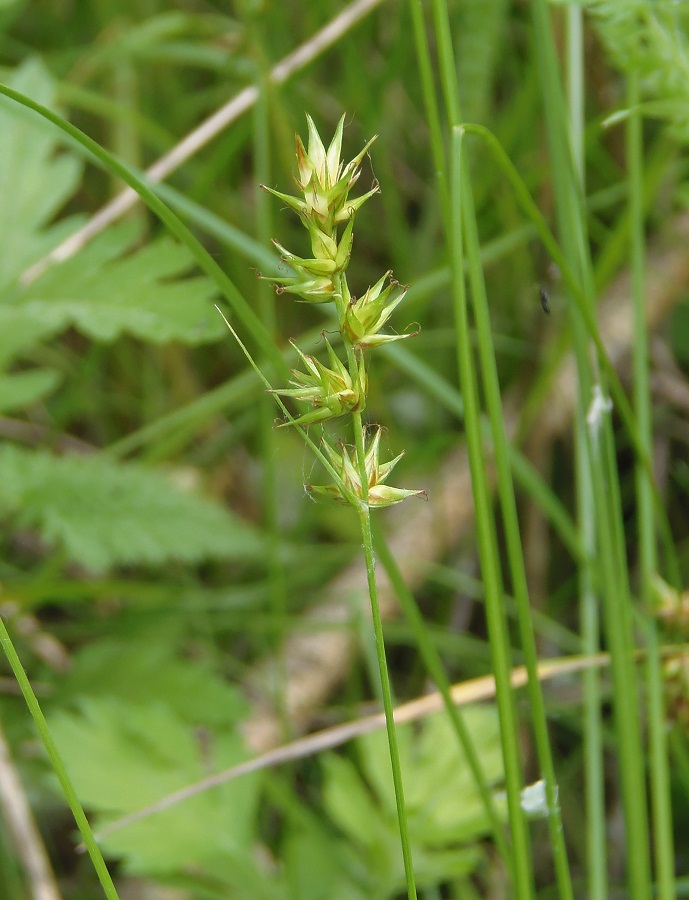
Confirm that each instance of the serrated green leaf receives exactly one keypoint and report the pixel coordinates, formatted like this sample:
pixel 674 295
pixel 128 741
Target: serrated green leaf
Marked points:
pixel 24 388
pixel 105 291
pixel 141 669
pixel 37 176
pixel 350 804
pixel 103 513
pixel 313 867
pixel 442 800
pixel 444 811
pixel 19 333
pixel 123 756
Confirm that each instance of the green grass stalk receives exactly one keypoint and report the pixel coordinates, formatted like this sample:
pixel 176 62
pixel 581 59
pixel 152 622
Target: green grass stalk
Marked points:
pixel 589 614
pixel 364 516
pixel 435 130
pixel 434 667
pixel 598 467
pixel 490 381
pixel 589 618
pixel 57 764
pixel 522 872
pixel 489 376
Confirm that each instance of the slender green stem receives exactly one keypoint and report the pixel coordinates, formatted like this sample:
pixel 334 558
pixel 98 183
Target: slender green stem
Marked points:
pixel 364 515
pixel 660 791
pixel 589 617
pixel 462 193
pixel 507 497
pixel 596 850
pixel 434 666
pixel 423 55
pixel 57 764
pixel 617 606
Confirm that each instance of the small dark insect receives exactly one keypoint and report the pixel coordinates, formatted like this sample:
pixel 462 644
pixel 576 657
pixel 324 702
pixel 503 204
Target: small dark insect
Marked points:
pixel 545 301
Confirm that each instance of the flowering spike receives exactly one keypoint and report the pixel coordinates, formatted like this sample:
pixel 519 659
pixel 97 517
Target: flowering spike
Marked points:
pixel 324 206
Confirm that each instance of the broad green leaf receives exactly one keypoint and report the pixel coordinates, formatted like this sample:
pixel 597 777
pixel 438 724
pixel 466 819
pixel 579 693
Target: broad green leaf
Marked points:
pixel 102 513
pixel 443 803
pixel 106 291
pixel 350 803
pixel 37 176
pixel 123 756
pixel 147 667
pixel 313 865
pixel 445 815
pixel 24 388
pixel 19 333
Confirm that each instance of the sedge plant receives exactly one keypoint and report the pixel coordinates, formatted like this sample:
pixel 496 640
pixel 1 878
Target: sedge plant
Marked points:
pixel 338 388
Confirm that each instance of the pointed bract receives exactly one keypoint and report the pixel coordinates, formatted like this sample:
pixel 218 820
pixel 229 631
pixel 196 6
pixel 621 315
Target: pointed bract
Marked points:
pixel 379 494
pixel 363 318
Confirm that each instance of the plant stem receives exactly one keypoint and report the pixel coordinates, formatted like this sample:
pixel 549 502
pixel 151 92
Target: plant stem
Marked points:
pixel 57 764
pixel 515 557
pixel 596 850
pixel 658 763
pixel 364 515
pixel 363 512
pixel 434 665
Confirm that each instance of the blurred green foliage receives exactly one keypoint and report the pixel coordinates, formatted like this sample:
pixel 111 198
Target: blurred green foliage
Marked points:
pixel 145 554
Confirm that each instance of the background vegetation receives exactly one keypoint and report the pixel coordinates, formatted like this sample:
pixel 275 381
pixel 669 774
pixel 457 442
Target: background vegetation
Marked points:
pixel 178 602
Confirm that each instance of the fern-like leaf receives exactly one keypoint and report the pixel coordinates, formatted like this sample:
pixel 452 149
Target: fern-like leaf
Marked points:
pixel 36 176
pixel 102 513
pixel 104 292
pixel 650 38
pixel 123 756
